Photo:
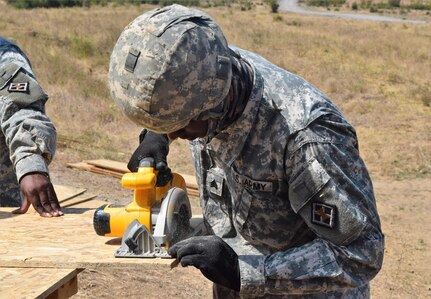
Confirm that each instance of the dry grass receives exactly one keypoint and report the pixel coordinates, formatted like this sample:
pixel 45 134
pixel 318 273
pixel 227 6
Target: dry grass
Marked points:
pixel 377 73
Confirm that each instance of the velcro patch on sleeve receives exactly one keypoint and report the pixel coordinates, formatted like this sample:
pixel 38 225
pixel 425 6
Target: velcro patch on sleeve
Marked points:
pixel 19 86
pixel 323 214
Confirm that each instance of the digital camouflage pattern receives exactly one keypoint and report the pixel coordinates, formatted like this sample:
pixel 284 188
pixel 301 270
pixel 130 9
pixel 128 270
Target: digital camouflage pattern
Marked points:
pixel 159 72
pixel 285 186
pixel 27 136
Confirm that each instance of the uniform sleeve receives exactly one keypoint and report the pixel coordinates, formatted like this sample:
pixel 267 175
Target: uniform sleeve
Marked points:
pixel 29 134
pixel 329 187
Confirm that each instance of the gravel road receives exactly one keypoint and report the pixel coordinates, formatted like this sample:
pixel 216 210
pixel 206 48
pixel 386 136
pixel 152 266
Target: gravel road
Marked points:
pixel 292 6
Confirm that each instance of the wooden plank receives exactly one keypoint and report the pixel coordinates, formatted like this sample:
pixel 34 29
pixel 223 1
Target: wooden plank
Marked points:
pixel 191 182
pixel 80 165
pixel 109 164
pixel 193 192
pixel 62 242
pixel 79 201
pixel 84 206
pixel 36 282
pixel 75 197
pixel 67 290
pixel 92 168
pixel 65 193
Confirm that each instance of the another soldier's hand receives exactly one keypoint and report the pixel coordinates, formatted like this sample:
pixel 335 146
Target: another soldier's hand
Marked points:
pixel 213 256
pixel 38 191
pixel 154 146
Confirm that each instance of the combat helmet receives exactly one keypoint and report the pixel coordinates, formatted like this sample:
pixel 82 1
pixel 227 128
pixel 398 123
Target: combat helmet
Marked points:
pixel 168 66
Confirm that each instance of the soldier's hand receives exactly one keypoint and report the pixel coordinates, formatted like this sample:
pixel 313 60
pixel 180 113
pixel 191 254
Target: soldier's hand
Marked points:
pixel 38 191
pixel 213 256
pixel 154 146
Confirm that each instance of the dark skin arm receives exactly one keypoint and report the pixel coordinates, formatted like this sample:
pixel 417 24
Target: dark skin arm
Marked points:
pixel 38 191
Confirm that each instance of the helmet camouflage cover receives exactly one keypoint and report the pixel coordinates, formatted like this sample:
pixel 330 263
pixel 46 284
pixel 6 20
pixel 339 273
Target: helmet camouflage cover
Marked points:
pixel 168 66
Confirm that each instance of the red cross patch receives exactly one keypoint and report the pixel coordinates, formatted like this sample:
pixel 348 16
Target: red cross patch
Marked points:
pixel 18 87
pixel 323 214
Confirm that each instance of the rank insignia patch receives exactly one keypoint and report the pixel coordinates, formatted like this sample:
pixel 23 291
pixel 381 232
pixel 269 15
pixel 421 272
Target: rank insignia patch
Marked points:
pixel 323 214
pixel 18 87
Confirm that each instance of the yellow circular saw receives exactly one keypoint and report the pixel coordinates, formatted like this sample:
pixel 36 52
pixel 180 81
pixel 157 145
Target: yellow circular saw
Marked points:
pixel 157 218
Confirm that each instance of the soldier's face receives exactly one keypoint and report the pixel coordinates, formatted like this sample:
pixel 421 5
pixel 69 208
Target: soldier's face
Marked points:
pixel 195 129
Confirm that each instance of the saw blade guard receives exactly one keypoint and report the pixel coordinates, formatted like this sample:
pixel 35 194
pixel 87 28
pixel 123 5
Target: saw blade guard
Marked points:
pixel 173 218
pixel 172 224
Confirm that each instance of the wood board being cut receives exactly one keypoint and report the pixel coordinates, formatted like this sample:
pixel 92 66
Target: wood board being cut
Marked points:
pixel 62 242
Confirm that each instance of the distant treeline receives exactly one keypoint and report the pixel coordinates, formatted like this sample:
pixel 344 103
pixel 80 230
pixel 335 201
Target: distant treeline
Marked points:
pixel 88 3
pixel 372 5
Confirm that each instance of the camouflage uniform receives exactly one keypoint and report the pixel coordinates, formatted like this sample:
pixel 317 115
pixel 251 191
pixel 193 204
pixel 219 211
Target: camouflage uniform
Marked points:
pixel 27 137
pixel 284 186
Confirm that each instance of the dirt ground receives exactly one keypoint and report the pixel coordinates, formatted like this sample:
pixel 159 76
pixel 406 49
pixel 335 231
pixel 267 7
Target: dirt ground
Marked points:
pixel 404 210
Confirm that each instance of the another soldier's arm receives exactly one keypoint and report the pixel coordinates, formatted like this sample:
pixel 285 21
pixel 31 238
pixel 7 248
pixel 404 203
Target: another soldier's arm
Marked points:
pixel 331 190
pixel 30 136
pixel 38 191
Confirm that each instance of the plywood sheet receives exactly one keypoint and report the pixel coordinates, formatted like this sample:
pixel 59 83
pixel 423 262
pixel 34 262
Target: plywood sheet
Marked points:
pixel 76 197
pixel 109 164
pixel 62 242
pixel 83 201
pixel 33 282
pixel 65 193
pixel 95 169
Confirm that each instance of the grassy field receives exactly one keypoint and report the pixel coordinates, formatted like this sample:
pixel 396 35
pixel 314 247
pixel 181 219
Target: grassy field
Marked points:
pixel 377 73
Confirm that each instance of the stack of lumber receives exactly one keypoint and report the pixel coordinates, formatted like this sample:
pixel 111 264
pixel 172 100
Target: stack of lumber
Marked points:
pixel 117 169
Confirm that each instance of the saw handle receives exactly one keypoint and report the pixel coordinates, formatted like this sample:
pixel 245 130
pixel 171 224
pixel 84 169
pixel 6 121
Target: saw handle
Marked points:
pixel 147 162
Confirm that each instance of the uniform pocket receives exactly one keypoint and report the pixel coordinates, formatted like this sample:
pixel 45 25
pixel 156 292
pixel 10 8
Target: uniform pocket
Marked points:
pixel 217 205
pixel 242 208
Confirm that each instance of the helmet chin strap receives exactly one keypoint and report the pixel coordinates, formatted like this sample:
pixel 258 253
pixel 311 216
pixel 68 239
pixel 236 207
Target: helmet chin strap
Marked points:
pixel 230 109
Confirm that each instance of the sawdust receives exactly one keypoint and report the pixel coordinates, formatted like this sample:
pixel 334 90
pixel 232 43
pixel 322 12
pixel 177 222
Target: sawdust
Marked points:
pixel 403 207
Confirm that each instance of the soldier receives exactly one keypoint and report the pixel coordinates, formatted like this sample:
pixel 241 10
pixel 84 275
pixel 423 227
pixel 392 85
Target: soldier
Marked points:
pixel 27 137
pixel 287 200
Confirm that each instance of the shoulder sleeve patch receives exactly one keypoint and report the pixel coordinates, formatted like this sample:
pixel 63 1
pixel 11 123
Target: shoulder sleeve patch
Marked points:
pixel 327 208
pixel 310 181
pixel 323 214
pixel 19 87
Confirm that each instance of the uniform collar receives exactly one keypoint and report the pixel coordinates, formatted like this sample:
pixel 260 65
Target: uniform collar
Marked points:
pixel 229 143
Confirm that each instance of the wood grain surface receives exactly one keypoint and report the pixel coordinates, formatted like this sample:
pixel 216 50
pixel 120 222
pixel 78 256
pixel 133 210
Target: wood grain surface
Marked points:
pixel 22 283
pixel 63 242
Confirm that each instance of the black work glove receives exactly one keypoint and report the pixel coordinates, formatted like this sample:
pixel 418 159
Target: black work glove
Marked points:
pixel 155 146
pixel 213 256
